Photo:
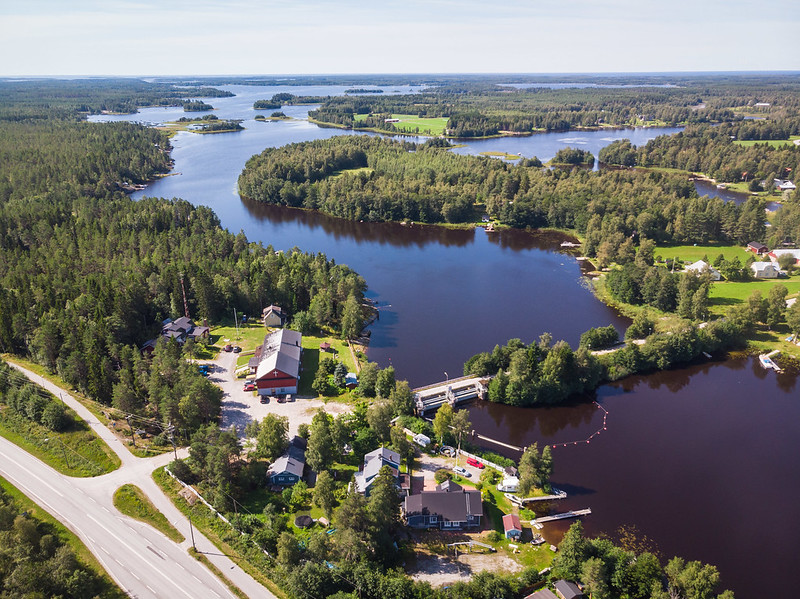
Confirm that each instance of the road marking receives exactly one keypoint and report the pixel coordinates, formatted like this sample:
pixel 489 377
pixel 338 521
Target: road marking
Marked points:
pixel 151 589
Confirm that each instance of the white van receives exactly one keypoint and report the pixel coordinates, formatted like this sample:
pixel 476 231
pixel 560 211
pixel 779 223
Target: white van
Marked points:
pixel 422 440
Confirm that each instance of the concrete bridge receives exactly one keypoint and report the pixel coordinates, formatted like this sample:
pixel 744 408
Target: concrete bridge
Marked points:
pixel 453 392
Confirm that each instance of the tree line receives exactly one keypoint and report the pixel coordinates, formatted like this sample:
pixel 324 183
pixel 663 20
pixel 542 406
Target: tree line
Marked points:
pixel 368 178
pixel 87 275
pixel 714 152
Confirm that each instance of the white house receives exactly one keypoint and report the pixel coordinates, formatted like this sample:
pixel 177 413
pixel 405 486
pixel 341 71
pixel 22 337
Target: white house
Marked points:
pixel 701 267
pixel 776 254
pixel 764 270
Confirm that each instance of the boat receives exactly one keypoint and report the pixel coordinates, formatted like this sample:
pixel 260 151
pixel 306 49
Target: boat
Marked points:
pixel 767 363
pixel 537 539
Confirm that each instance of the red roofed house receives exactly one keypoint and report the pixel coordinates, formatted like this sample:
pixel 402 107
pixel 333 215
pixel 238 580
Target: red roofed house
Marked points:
pixel 276 363
pixel 512 526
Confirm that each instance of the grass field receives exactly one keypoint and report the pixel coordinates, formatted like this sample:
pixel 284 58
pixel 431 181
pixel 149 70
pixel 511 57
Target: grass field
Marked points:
pixel 693 253
pixel 725 293
pixel 85 557
pixel 410 123
pixel 775 143
pixel 131 501
pixel 312 355
pixel 352 171
pixel 504 155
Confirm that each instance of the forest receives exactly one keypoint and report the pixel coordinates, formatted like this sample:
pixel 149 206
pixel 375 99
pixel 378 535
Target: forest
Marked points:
pixel 38 563
pixel 71 99
pixel 368 178
pixel 714 152
pixel 87 275
pixel 493 106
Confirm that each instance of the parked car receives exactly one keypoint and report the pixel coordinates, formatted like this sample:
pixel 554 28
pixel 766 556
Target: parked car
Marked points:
pixel 289 397
pixel 461 471
pixel 475 463
pixel 236 349
pixel 249 386
pixel 228 348
pixel 264 399
pixel 281 399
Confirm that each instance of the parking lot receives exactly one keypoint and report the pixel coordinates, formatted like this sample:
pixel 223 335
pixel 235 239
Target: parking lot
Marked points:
pixel 240 407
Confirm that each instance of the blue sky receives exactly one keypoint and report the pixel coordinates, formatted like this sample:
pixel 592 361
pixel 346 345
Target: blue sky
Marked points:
pixel 199 37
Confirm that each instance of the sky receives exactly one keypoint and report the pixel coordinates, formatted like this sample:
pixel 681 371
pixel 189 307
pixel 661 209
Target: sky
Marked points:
pixel 201 37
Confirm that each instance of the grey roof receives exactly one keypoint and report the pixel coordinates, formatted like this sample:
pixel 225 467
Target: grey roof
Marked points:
pixel 374 461
pixel 542 594
pixel 280 351
pixel 449 486
pixel 568 590
pixel 452 506
pixel 757 245
pixel 286 464
pixel 760 266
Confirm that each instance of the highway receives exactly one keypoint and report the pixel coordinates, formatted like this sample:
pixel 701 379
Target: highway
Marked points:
pixel 144 562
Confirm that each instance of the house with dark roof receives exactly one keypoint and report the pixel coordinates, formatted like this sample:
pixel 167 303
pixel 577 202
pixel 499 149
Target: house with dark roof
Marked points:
pixel 181 330
pixel 276 363
pixel 273 316
pixel 287 470
pixel 512 527
pixel 568 590
pixel 373 462
pixel 449 507
pixel 757 247
pixel 542 594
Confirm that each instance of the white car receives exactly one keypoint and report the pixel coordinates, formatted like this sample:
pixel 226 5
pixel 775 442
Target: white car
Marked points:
pixel 461 471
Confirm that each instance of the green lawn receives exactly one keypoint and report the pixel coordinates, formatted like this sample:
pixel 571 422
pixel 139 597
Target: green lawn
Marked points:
pixel 312 355
pixel 410 123
pixel 725 293
pixel 775 143
pixel 131 501
pixel 693 253
pixel 352 171
pixel 84 556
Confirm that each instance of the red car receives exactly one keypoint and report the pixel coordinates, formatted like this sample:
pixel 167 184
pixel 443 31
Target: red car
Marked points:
pixel 475 463
pixel 250 386
pixel 228 348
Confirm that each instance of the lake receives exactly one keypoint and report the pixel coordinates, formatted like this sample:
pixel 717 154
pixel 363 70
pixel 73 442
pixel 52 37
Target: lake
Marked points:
pixel 702 460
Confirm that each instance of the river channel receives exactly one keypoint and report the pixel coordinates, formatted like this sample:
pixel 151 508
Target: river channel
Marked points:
pixel 702 460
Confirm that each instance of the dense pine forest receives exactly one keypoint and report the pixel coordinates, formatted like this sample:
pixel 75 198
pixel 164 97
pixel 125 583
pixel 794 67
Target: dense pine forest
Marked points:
pixel 367 178
pixel 87 274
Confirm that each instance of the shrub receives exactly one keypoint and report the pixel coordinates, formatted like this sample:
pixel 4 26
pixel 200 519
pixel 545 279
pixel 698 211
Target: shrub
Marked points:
pixel 442 474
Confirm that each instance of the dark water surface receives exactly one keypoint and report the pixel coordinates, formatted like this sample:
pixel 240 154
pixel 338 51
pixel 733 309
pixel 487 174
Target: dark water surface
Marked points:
pixel 703 460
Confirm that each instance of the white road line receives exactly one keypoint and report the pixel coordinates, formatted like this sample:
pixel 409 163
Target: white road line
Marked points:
pixel 137 554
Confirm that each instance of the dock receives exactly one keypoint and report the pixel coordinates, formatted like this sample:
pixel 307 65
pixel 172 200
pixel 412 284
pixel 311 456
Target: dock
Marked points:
pixel 523 500
pixel 564 516
pixel 453 392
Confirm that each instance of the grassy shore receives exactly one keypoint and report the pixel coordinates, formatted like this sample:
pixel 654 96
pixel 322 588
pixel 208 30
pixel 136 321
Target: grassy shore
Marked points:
pixel 131 501
pixel 84 556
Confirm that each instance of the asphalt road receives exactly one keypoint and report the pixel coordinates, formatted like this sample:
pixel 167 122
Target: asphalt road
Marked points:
pixel 144 562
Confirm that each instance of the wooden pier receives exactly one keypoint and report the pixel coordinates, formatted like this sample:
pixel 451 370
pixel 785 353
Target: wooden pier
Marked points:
pixel 523 500
pixel 564 516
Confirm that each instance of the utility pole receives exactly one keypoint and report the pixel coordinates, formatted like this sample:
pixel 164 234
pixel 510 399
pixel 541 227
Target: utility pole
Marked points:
pixel 171 433
pixel 236 322
pixel 191 529
pixel 133 436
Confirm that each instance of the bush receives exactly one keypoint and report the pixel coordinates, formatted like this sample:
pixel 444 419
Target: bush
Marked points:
pixel 56 418
pixel 494 536
pixel 181 470
pixel 442 474
pixel 600 337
